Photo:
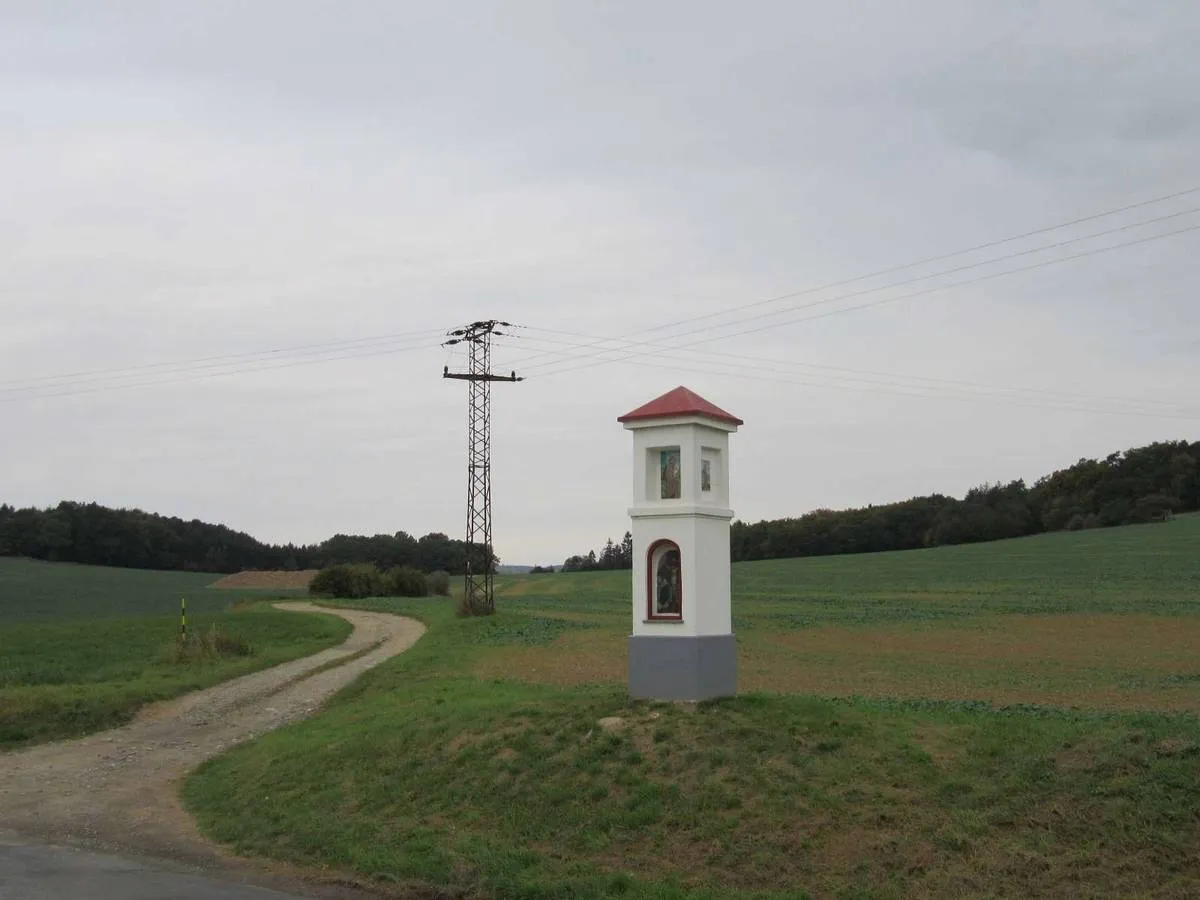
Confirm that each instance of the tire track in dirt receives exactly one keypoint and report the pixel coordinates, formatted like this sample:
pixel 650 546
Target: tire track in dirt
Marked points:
pixel 118 790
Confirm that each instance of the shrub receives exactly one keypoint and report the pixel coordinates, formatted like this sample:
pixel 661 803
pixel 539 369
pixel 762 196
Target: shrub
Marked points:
pixel 439 583
pixel 333 581
pixel 366 581
pixel 405 581
pixel 348 582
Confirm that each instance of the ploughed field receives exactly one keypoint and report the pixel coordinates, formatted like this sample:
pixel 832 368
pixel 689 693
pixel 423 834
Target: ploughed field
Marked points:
pixel 1007 719
pixel 267 581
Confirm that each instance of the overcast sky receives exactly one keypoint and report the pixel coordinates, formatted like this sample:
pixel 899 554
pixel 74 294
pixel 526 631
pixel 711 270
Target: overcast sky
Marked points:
pixel 180 181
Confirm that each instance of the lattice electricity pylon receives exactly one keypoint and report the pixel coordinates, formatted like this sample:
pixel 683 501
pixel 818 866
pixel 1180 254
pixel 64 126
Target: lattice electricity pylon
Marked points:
pixel 479 596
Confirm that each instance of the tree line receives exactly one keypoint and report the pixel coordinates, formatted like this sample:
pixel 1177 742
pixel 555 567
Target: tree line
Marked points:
pixel 611 556
pixel 97 535
pixel 1144 484
pixel 1139 485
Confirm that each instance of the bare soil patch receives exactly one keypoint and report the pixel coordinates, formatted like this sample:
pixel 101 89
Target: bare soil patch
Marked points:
pixel 1091 661
pixel 1109 662
pixel 278 581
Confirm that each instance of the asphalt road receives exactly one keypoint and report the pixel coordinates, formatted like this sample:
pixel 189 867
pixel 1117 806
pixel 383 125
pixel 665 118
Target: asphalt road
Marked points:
pixel 29 872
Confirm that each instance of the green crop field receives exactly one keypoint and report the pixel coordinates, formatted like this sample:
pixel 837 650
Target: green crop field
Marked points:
pixel 1013 719
pixel 82 647
pixel 1103 619
pixel 35 591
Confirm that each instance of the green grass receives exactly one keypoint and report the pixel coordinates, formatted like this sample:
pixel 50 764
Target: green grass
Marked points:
pixel 82 647
pixel 476 762
pixel 63 679
pixel 1101 619
pixel 35 591
pixel 1139 568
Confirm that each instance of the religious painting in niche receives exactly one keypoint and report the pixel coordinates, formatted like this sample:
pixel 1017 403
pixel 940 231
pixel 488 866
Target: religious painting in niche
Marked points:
pixel 669 478
pixel 668 584
pixel 706 475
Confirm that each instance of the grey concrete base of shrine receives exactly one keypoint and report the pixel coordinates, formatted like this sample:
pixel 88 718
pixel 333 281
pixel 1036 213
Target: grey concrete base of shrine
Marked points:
pixel 682 668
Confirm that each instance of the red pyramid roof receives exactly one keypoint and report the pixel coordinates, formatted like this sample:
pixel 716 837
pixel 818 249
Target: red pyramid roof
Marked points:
pixel 679 402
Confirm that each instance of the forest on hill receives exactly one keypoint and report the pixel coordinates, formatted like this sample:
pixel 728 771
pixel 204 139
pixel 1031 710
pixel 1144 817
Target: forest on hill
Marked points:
pixel 1144 484
pixel 1138 485
pixel 100 536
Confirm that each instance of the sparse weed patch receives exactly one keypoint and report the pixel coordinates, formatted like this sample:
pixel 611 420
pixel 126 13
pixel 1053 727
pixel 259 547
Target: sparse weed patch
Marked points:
pixel 210 644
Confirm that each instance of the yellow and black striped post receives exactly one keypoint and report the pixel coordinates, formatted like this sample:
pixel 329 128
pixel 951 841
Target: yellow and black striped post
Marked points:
pixel 183 617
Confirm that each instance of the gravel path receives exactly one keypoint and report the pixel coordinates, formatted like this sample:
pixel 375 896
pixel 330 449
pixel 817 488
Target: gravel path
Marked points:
pixel 118 790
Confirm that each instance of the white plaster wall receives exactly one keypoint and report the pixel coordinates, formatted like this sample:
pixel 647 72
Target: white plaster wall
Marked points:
pixel 697 522
pixel 645 531
pixel 712 579
pixel 704 564
pixel 690 437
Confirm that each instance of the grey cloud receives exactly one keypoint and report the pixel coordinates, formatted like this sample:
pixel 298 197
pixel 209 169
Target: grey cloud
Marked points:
pixel 1079 88
pixel 181 180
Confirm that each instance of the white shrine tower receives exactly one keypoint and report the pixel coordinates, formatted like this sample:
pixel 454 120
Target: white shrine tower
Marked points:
pixel 682 646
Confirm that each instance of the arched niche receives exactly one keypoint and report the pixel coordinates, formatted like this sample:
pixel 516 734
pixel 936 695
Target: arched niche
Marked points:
pixel 664 592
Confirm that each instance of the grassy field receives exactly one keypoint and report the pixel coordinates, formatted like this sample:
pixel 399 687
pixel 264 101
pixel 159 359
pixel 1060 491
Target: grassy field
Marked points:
pixel 35 591
pixel 82 647
pixel 1015 719
pixel 1105 619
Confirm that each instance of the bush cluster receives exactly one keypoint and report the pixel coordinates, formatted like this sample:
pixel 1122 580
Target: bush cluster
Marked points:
pixel 439 583
pixel 360 580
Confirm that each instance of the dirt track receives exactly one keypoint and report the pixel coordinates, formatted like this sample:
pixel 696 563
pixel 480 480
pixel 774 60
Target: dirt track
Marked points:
pixel 117 790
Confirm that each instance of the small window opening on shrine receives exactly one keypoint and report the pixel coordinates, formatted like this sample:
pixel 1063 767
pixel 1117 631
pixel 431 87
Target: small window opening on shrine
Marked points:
pixel 666 581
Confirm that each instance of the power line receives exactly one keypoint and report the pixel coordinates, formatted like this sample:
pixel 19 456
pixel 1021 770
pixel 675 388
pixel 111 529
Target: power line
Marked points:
pixel 656 346
pixel 910 265
pixel 914 280
pixel 942 256
pixel 947 390
pixel 962 398
pixel 202 367
pixel 1039 265
pixel 171 367
pixel 195 376
pixel 182 365
pixel 974 388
